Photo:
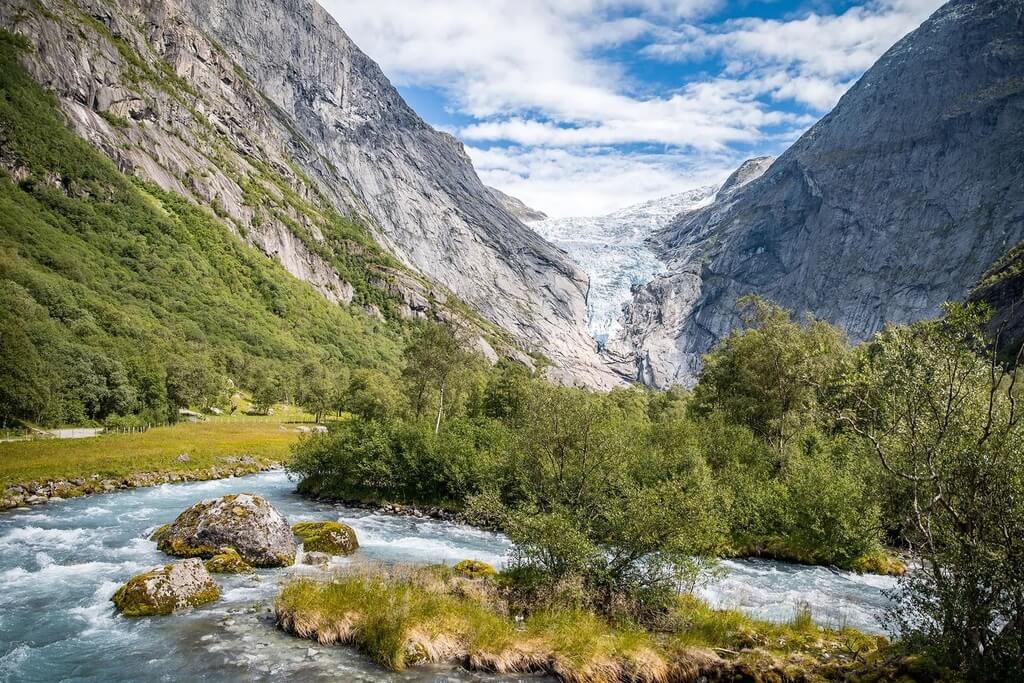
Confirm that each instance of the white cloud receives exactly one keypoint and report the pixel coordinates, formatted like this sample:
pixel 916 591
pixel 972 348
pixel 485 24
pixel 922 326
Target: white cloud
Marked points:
pixel 594 182
pixel 539 75
pixel 812 60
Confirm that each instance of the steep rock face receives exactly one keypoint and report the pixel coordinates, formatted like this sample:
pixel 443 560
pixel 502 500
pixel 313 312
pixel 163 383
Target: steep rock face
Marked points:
pixel 896 201
pixel 517 207
pixel 417 185
pixel 265 111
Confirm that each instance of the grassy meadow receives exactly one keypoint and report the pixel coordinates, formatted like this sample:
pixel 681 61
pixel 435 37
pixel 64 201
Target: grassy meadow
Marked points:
pixel 207 444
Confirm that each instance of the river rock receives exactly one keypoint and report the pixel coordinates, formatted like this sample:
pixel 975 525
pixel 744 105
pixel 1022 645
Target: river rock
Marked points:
pixel 333 538
pixel 164 590
pixel 316 558
pixel 228 561
pixel 245 522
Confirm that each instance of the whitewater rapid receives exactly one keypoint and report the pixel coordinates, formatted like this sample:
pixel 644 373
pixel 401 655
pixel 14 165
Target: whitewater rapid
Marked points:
pixel 61 563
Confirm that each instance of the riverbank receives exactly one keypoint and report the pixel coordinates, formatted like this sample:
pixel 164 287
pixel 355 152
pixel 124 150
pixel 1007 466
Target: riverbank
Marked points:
pixel 883 562
pixel 402 617
pixel 35 472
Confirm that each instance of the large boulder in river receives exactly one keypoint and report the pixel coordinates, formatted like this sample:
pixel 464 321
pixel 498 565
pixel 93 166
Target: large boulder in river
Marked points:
pixel 245 522
pixel 333 538
pixel 164 590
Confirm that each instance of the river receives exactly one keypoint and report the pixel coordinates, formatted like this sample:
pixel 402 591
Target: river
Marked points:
pixel 60 564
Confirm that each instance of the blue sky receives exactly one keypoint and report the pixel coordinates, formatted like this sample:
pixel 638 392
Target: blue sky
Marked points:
pixel 581 107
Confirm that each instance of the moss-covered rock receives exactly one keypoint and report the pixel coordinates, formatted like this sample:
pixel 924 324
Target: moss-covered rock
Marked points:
pixel 164 590
pixel 245 522
pixel 333 538
pixel 474 569
pixel 878 562
pixel 160 531
pixel 228 561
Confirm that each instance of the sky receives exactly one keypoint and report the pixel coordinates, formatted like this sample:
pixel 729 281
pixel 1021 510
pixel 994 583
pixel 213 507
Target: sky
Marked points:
pixel 582 107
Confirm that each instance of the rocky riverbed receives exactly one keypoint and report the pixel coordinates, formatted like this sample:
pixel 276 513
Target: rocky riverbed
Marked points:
pixel 61 563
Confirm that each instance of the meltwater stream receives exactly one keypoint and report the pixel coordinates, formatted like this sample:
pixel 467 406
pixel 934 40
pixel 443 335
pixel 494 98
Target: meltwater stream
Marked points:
pixel 61 563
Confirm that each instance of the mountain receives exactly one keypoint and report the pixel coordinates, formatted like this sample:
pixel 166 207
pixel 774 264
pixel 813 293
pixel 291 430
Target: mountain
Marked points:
pixel 121 301
pixel 896 201
pixel 613 250
pixel 1002 288
pixel 265 111
pixel 517 207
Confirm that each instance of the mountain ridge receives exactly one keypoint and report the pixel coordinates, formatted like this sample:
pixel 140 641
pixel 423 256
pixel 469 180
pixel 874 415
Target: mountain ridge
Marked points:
pixel 248 106
pixel 896 201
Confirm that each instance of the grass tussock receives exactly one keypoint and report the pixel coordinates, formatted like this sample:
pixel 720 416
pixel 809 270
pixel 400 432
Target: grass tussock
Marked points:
pixel 406 616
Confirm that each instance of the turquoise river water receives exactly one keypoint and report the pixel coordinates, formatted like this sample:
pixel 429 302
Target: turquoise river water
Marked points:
pixel 60 564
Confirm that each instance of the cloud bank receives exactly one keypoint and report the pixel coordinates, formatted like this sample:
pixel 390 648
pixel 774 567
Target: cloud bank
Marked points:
pixel 580 107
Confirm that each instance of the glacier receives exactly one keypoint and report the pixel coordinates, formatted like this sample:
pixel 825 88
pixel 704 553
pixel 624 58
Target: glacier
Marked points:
pixel 613 250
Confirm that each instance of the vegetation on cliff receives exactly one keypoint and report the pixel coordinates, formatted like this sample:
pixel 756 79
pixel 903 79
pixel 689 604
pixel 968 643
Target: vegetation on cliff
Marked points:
pixel 118 298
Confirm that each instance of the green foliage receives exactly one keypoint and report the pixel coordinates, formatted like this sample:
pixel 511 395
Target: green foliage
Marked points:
pixel 764 375
pixel 944 420
pixel 119 298
pixel 617 500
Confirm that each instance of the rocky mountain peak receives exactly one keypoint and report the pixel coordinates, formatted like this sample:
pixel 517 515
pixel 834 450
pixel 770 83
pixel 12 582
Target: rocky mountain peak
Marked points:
pixel 896 201
pixel 517 207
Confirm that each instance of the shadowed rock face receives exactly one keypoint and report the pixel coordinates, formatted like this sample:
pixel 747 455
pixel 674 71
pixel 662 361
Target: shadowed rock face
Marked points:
pixel 896 201
pixel 276 84
pixel 1002 288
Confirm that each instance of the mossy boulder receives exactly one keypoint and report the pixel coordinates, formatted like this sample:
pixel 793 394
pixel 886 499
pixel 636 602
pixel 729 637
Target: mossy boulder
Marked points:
pixel 245 522
pixel 474 569
pixel 164 590
pixel 228 561
pixel 333 538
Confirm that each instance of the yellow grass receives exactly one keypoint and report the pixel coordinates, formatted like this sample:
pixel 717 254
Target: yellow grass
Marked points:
pixel 402 616
pixel 117 455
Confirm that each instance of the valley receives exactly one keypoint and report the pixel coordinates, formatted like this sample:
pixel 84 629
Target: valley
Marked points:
pixel 766 429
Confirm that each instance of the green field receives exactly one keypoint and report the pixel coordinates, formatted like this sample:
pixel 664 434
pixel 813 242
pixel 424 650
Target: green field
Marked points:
pixel 118 455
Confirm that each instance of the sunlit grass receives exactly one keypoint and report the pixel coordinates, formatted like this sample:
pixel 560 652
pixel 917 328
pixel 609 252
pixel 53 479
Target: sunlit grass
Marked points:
pixel 118 455
pixel 401 617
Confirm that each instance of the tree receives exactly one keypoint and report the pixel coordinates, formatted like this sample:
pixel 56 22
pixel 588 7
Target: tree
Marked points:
pixel 318 387
pixel 372 395
pixel 764 376
pixel 437 363
pixel 193 381
pixel 943 418
pixel 268 391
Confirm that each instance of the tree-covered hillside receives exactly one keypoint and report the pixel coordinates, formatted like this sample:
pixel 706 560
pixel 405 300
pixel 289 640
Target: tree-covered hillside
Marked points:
pixel 119 298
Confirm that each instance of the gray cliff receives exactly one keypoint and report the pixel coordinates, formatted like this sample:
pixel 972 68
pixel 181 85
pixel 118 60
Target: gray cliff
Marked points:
pixel 245 105
pixel 895 202
pixel 517 207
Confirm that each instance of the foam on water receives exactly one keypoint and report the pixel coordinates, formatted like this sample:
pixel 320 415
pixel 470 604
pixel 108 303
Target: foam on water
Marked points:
pixel 59 568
